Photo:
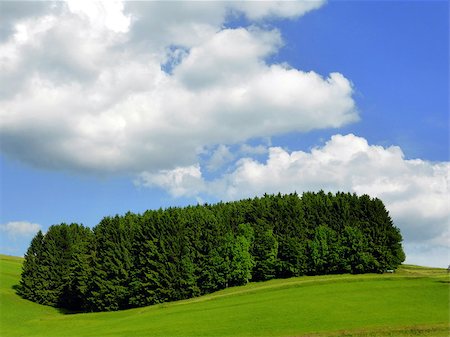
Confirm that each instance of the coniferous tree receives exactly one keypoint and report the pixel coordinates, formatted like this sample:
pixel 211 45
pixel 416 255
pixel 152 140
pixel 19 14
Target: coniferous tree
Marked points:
pixel 32 275
pixel 265 251
pixel 55 260
pixel 241 259
pixel 77 279
pixel 145 275
pixel 324 251
pixel 111 265
pixel 292 257
pixel 355 252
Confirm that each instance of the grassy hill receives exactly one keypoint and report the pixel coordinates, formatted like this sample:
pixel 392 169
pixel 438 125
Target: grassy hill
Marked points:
pixel 412 302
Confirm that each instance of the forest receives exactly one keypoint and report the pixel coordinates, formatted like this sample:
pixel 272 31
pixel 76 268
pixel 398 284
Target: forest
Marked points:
pixel 177 253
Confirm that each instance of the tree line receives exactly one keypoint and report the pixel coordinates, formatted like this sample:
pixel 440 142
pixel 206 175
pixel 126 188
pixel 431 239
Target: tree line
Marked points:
pixel 177 253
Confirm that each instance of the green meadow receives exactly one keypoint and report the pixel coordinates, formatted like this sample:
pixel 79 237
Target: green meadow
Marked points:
pixel 414 301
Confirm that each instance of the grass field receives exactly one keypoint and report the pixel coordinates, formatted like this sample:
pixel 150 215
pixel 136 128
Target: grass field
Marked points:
pixel 412 302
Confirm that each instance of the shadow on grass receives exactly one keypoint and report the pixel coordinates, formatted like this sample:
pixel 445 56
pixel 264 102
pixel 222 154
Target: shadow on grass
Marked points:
pixel 64 311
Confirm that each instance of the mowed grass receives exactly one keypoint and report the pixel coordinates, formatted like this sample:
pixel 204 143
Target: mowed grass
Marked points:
pixel 412 302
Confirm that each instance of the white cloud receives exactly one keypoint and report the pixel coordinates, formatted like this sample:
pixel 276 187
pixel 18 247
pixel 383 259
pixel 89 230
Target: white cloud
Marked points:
pixel 158 24
pixel 108 14
pixel 257 10
pixel 246 149
pixel 227 57
pixel 415 192
pixel 181 181
pixel 82 86
pixel 221 156
pixel 20 228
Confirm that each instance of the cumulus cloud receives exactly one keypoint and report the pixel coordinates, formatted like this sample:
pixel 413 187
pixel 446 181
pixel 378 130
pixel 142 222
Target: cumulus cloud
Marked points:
pixel 16 229
pixel 228 56
pixel 220 157
pixel 83 86
pixel 257 10
pixel 13 11
pixel 416 192
pixel 246 149
pixel 157 24
pixel 107 14
pixel 181 181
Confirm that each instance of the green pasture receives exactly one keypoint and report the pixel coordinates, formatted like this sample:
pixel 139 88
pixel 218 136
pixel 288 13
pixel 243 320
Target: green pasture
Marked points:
pixel 414 301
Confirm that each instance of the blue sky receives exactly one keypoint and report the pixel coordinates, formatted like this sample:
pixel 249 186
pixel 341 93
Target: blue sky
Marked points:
pixel 258 97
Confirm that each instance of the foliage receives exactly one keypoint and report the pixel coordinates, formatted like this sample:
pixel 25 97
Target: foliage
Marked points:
pixel 178 253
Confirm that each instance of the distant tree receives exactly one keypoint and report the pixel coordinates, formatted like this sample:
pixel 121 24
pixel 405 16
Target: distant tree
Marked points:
pixel 265 251
pixel 32 274
pixel 148 264
pixel 51 273
pixel 77 279
pixel 356 257
pixel 241 260
pixel 55 261
pixel 324 251
pixel 292 256
pixel 112 264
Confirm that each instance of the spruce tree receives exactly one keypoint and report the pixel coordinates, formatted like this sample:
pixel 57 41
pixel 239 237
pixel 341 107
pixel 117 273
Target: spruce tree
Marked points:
pixel 32 275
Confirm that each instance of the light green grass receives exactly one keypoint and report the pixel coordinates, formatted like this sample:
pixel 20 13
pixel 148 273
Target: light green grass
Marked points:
pixel 412 302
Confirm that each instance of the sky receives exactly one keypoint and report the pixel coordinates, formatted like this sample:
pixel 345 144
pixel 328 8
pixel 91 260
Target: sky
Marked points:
pixel 109 107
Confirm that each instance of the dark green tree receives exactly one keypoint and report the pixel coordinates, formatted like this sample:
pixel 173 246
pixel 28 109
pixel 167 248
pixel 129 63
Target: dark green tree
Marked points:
pixel 324 251
pixel 148 263
pixel 356 257
pixel 292 257
pixel 241 260
pixel 112 264
pixel 77 278
pixel 265 252
pixel 32 275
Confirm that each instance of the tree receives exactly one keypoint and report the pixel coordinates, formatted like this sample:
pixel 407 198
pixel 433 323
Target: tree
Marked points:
pixel 77 279
pixel 356 257
pixel 54 262
pixel 292 256
pixel 145 276
pixel 31 279
pixel 112 263
pixel 324 251
pixel 241 260
pixel 265 251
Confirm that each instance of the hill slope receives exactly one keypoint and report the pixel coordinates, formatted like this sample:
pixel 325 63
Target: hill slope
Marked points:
pixel 414 301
